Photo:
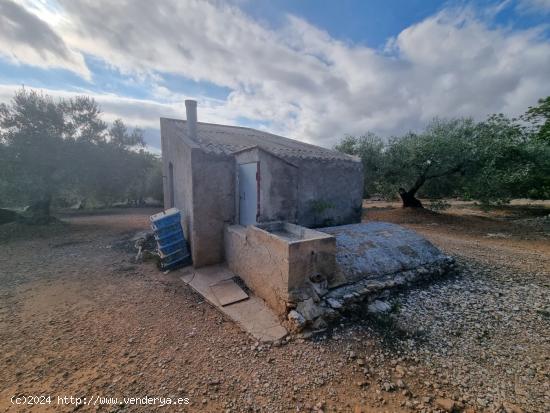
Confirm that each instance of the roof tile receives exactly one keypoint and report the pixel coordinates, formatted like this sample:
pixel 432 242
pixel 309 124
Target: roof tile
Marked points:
pixel 225 139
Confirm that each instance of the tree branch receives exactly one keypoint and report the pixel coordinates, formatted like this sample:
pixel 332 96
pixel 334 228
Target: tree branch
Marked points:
pixel 451 171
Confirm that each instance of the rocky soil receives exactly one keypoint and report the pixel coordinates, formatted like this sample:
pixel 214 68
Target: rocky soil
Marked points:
pixel 79 318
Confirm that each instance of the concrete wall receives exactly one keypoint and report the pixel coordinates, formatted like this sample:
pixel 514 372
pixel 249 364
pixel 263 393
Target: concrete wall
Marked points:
pixel 335 182
pixel 213 205
pixel 278 189
pixel 177 152
pixel 287 189
pixel 261 260
pixel 278 185
pixel 274 264
pixel 315 259
pixel 204 189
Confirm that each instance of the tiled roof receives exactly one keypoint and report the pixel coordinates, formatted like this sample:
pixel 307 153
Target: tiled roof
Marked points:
pixel 225 139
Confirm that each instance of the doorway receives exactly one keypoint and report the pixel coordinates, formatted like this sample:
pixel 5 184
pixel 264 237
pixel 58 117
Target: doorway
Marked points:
pixel 248 193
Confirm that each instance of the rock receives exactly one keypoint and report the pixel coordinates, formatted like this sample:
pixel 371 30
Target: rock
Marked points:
pixel 379 307
pixel 308 309
pixel 320 288
pixel 511 408
pixel 445 404
pixel 400 371
pixel 296 320
pixel 482 402
pixel 334 303
pixel 319 324
pixel 388 386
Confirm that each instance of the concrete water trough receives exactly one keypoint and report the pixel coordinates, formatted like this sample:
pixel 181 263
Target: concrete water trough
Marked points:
pixel 278 258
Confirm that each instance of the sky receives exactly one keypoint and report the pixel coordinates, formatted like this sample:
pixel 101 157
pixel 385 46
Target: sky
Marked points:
pixel 313 70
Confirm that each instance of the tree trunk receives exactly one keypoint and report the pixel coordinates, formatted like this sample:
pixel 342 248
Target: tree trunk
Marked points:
pixel 409 200
pixel 39 212
pixel 408 197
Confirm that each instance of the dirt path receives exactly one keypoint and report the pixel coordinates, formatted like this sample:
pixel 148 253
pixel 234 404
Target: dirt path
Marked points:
pixel 488 238
pixel 80 319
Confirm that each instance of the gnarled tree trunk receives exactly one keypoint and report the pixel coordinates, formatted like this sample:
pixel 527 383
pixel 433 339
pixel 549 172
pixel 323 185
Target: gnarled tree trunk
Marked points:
pixel 409 199
pixel 39 211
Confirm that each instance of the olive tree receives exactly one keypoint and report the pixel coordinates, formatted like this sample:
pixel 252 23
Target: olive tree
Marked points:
pixel 52 150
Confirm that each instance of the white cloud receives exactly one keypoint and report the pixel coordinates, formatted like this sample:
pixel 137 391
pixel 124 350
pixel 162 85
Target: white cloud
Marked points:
pixel 299 79
pixel 27 39
pixel 141 113
pixel 535 6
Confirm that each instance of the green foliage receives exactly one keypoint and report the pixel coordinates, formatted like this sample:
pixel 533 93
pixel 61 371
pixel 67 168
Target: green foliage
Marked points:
pixel 61 151
pixel 319 207
pixel 491 161
pixel 438 156
pixel 503 162
pixel 539 117
pixel 119 135
pixel 154 181
pixel 369 148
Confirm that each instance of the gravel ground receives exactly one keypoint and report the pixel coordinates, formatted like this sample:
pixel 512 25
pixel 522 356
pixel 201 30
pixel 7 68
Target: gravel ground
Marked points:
pixel 79 318
pixel 485 335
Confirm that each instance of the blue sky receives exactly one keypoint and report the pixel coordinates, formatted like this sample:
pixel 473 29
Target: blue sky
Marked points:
pixel 312 70
pixel 365 22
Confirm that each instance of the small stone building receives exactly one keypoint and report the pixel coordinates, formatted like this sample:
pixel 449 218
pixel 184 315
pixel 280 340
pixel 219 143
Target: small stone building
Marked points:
pixel 219 175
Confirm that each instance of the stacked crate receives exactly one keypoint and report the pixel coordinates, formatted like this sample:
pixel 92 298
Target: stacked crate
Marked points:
pixel 171 242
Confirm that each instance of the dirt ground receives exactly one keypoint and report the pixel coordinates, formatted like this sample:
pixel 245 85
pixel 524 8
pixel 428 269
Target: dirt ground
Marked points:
pixel 79 318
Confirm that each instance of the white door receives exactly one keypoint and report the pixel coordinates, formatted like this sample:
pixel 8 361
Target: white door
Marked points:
pixel 248 193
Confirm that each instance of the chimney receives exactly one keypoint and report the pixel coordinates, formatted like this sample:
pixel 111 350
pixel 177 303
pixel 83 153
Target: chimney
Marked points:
pixel 191 111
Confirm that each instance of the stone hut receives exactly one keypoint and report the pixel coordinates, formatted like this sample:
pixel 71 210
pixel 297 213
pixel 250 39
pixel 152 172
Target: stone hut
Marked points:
pixel 220 175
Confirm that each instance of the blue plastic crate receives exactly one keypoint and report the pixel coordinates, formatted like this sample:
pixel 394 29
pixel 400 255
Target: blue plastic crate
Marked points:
pixel 176 256
pixel 165 232
pixel 171 238
pixel 168 249
pixel 171 242
pixel 165 219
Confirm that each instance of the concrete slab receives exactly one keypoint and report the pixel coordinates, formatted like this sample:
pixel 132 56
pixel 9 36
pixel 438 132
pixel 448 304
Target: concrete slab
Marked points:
pixel 228 292
pixel 375 249
pixel 252 315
